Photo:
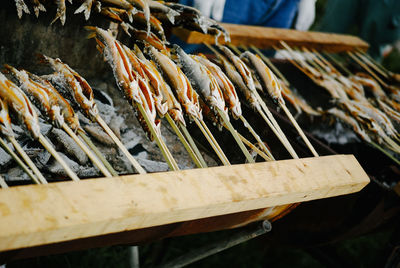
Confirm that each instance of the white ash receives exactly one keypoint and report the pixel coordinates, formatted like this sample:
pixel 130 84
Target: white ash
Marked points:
pixel 16 174
pixel 337 133
pixel 81 171
pixel 98 134
pixel 42 158
pixel 69 145
pixel 152 166
pixel 5 159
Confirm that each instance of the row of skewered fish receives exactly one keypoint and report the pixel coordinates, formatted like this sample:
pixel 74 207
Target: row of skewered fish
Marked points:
pixel 157 84
pixel 368 100
pixel 142 18
pixel 157 79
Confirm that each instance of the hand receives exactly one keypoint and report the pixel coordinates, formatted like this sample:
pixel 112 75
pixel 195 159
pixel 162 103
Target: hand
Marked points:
pixel 305 15
pixel 211 8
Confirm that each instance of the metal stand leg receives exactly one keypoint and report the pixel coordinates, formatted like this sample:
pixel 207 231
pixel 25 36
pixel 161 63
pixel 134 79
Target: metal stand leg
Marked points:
pixel 134 257
pixel 216 247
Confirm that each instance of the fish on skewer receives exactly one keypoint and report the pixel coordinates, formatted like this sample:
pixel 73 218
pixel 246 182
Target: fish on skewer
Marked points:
pixel 116 15
pixel 37 7
pixel 158 9
pixel 124 4
pixel 151 78
pixel 192 19
pixel 135 88
pixel 174 110
pixel 85 8
pixel 143 5
pixel 21 8
pixel 187 97
pixel 7 132
pixel 271 84
pixel 48 103
pixel 351 122
pixel 251 95
pixel 39 95
pixel 74 86
pixel 27 117
pixel 72 121
pixel 61 11
pixel 80 92
pixel 205 83
pixel 231 98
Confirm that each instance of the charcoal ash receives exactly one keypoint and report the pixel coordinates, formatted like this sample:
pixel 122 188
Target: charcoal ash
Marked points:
pixel 5 159
pixel 81 171
pixel 66 144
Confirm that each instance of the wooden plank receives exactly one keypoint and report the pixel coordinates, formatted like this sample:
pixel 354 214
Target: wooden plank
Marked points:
pixel 264 37
pixel 44 214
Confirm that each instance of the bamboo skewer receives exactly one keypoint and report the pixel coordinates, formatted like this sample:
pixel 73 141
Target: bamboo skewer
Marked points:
pixel 372 65
pixel 211 140
pixel 335 61
pixel 299 130
pixel 268 117
pixel 185 143
pixel 257 137
pixel 254 148
pixel 3 183
pixel 293 120
pixel 3 144
pixel 275 127
pixel 193 144
pixel 132 160
pixel 27 160
pixel 277 134
pixel 89 153
pixel 367 69
pixel 375 63
pixel 46 144
pixel 163 147
pixel 86 139
pixel 234 133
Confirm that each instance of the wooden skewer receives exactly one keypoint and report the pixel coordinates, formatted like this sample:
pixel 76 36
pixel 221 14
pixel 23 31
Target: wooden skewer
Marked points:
pixel 27 160
pixel 276 128
pixel 367 69
pixel 372 65
pixel 299 130
pixel 375 63
pixel 257 137
pixel 235 136
pixel 3 183
pixel 254 148
pixel 46 144
pixel 277 134
pixel 108 130
pixel 193 144
pixel 184 141
pixel 86 139
pixel 89 153
pixel 214 140
pixel 339 64
pixel 325 61
pixel 211 140
pixel 3 144
pixel 163 147
pixel 292 119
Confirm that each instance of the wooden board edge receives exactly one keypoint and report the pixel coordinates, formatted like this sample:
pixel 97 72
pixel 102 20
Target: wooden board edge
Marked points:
pixel 39 215
pixel 266 38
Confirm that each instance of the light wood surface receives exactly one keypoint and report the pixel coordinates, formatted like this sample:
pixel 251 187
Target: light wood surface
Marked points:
pixel 44 214
pixel 264 37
